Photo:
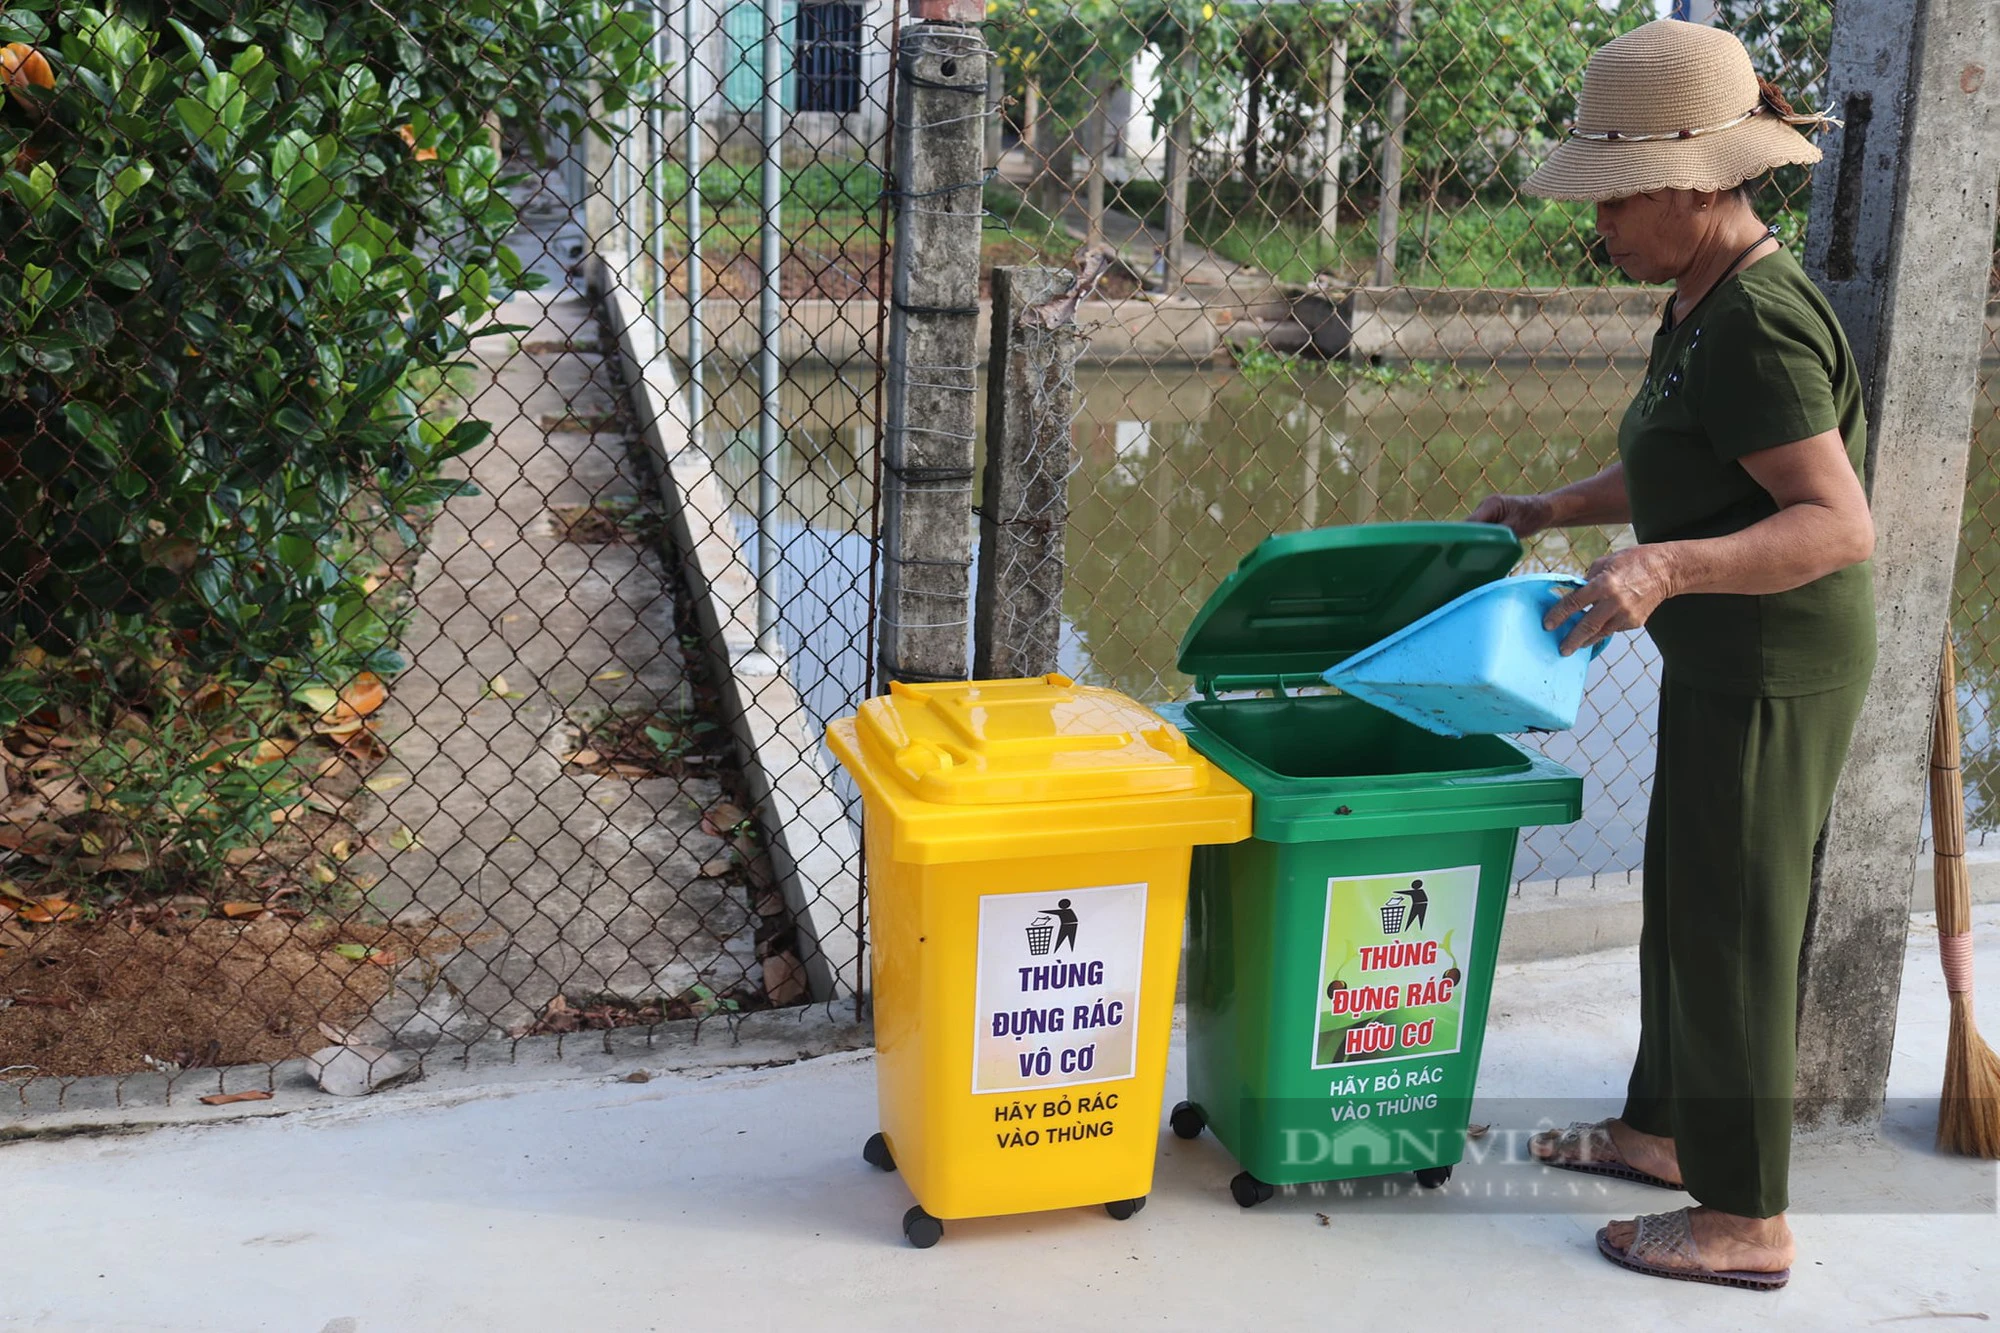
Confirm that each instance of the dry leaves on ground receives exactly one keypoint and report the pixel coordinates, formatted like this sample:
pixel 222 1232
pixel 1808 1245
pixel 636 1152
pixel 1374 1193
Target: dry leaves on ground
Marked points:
pixel 155 987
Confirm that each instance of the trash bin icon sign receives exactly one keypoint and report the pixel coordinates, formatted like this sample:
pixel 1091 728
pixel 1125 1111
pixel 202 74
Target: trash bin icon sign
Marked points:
pixel 1405 906
pixel 1040 932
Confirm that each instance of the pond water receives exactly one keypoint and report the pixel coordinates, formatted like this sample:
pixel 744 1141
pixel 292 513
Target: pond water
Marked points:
pixel 1181 472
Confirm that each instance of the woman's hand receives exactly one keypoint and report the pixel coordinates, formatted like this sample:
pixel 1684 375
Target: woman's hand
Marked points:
pixel 1526 515
pixel 1623 591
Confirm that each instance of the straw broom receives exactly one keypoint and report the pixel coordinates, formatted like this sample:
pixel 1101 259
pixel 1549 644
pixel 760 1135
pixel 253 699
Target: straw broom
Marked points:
pixel 1969 1105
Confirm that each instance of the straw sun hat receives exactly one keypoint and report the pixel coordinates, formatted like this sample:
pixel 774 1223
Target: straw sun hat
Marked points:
pixel 1672 105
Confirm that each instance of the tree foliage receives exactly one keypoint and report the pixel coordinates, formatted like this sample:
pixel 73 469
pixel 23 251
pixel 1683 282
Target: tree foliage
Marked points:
pixel 243 241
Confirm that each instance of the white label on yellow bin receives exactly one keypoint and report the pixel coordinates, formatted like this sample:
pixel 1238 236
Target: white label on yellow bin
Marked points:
pixel 1058 987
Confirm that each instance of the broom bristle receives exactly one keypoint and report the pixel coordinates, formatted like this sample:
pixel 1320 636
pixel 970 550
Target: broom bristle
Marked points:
pixel 1969 1106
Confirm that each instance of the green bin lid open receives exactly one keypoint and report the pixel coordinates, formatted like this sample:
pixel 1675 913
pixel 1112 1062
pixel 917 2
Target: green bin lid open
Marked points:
pixel 1302 601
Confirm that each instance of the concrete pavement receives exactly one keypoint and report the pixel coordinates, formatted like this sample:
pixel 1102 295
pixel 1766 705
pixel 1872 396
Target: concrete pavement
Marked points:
pixel 738 1199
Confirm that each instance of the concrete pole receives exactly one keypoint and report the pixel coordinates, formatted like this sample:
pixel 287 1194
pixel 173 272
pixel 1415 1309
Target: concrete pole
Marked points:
pixel 939 152
pixel 1180 144
pixel 1901 241
pixel 1055 161
pixel 1336 135
pixel 1024 500
pixel 1096 131
pixel 1388 212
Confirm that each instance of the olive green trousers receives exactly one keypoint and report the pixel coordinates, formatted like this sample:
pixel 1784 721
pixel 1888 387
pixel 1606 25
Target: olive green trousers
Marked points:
pixel 1741 792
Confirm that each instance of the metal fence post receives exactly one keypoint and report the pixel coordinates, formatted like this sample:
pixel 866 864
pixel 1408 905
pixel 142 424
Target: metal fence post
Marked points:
pixel 769 332
pixel 1901 239
pixel 691 111
pixel 1024 496
pixel 928 438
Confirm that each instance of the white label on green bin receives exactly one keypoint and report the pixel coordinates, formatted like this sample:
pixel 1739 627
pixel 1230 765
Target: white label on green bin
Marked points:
pixel 1058 987
pixel 1393 964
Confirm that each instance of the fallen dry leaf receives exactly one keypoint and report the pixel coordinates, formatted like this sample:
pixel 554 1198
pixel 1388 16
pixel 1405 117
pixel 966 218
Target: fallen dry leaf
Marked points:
pixel 609 675
pixel 231 1098
pixel 243 856
pixel 585 758
pixel 721 819
pixel 49 911
pixel 500 689
pixel 385 782
pixel 117 861
pixel 8 888
pixel 402 839
pixel 365 746
pixel 364 694
pixel 271 751
pixel 234 910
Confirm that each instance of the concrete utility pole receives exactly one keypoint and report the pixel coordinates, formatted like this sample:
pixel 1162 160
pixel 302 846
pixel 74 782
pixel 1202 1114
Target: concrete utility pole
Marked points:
pixel 1180 144
pixel 933 371
pixel 1902 242
pixel 1024 501
pixel 1336 136
pixel 1389 211
pixel 1097 143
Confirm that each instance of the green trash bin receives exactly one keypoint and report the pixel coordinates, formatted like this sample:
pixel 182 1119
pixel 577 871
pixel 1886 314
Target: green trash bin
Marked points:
pixel 1340 961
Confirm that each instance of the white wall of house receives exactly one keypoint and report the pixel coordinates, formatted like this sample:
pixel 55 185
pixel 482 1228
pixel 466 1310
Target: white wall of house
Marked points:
pixel 728 66
pixel 1139 143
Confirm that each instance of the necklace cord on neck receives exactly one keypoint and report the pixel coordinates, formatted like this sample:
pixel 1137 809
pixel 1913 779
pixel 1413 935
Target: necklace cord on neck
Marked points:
pixel 1770 234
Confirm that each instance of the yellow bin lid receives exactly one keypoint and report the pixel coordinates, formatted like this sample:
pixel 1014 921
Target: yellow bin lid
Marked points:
pixel 1072 760
pixel 1008 741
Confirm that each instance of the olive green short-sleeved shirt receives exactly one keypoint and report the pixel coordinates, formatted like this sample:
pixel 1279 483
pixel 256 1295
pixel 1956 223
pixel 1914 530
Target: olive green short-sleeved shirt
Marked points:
pixel 1761 362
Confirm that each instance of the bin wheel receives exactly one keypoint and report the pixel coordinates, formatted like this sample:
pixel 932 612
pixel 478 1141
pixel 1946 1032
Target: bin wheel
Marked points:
pixel 921 1228
pixel 875 1152
pixel 1250 1191
pixel 1434 1177
pixel 1120 1209
pixel 1187 1120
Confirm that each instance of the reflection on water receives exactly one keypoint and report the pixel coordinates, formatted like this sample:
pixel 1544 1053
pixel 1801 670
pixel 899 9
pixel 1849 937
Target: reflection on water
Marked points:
pixel 1181 472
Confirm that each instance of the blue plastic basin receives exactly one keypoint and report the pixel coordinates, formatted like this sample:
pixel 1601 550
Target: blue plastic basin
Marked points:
pixel 1478 666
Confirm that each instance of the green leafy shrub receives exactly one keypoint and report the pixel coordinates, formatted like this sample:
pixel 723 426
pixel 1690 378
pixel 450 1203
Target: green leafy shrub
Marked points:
pixel 245 246
pixel 235 238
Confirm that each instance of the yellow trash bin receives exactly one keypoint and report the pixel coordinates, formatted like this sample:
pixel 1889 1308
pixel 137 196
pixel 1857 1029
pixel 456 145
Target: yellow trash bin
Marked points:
pixel 1028 844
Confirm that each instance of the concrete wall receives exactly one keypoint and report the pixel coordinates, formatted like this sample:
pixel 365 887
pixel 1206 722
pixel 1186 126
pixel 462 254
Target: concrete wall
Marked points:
pixel 843 332
pixel 1369 323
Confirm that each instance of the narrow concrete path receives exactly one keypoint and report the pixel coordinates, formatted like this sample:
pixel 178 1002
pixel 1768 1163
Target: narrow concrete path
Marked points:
pixel 726 1198
pixel 561 881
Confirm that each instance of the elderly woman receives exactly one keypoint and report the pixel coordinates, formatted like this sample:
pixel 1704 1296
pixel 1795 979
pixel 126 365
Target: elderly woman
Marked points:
pixel 1740 469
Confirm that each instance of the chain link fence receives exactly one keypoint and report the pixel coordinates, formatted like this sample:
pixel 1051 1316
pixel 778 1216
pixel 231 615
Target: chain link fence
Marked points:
pixel 352 708
pixel 375 678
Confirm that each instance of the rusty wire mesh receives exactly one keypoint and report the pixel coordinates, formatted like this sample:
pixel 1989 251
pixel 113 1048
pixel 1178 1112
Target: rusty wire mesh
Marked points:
pixel 351 704
pixel 1332 303
pixel 328 716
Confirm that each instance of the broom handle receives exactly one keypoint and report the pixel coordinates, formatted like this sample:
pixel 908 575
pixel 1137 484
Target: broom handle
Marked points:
pixel 1952 887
